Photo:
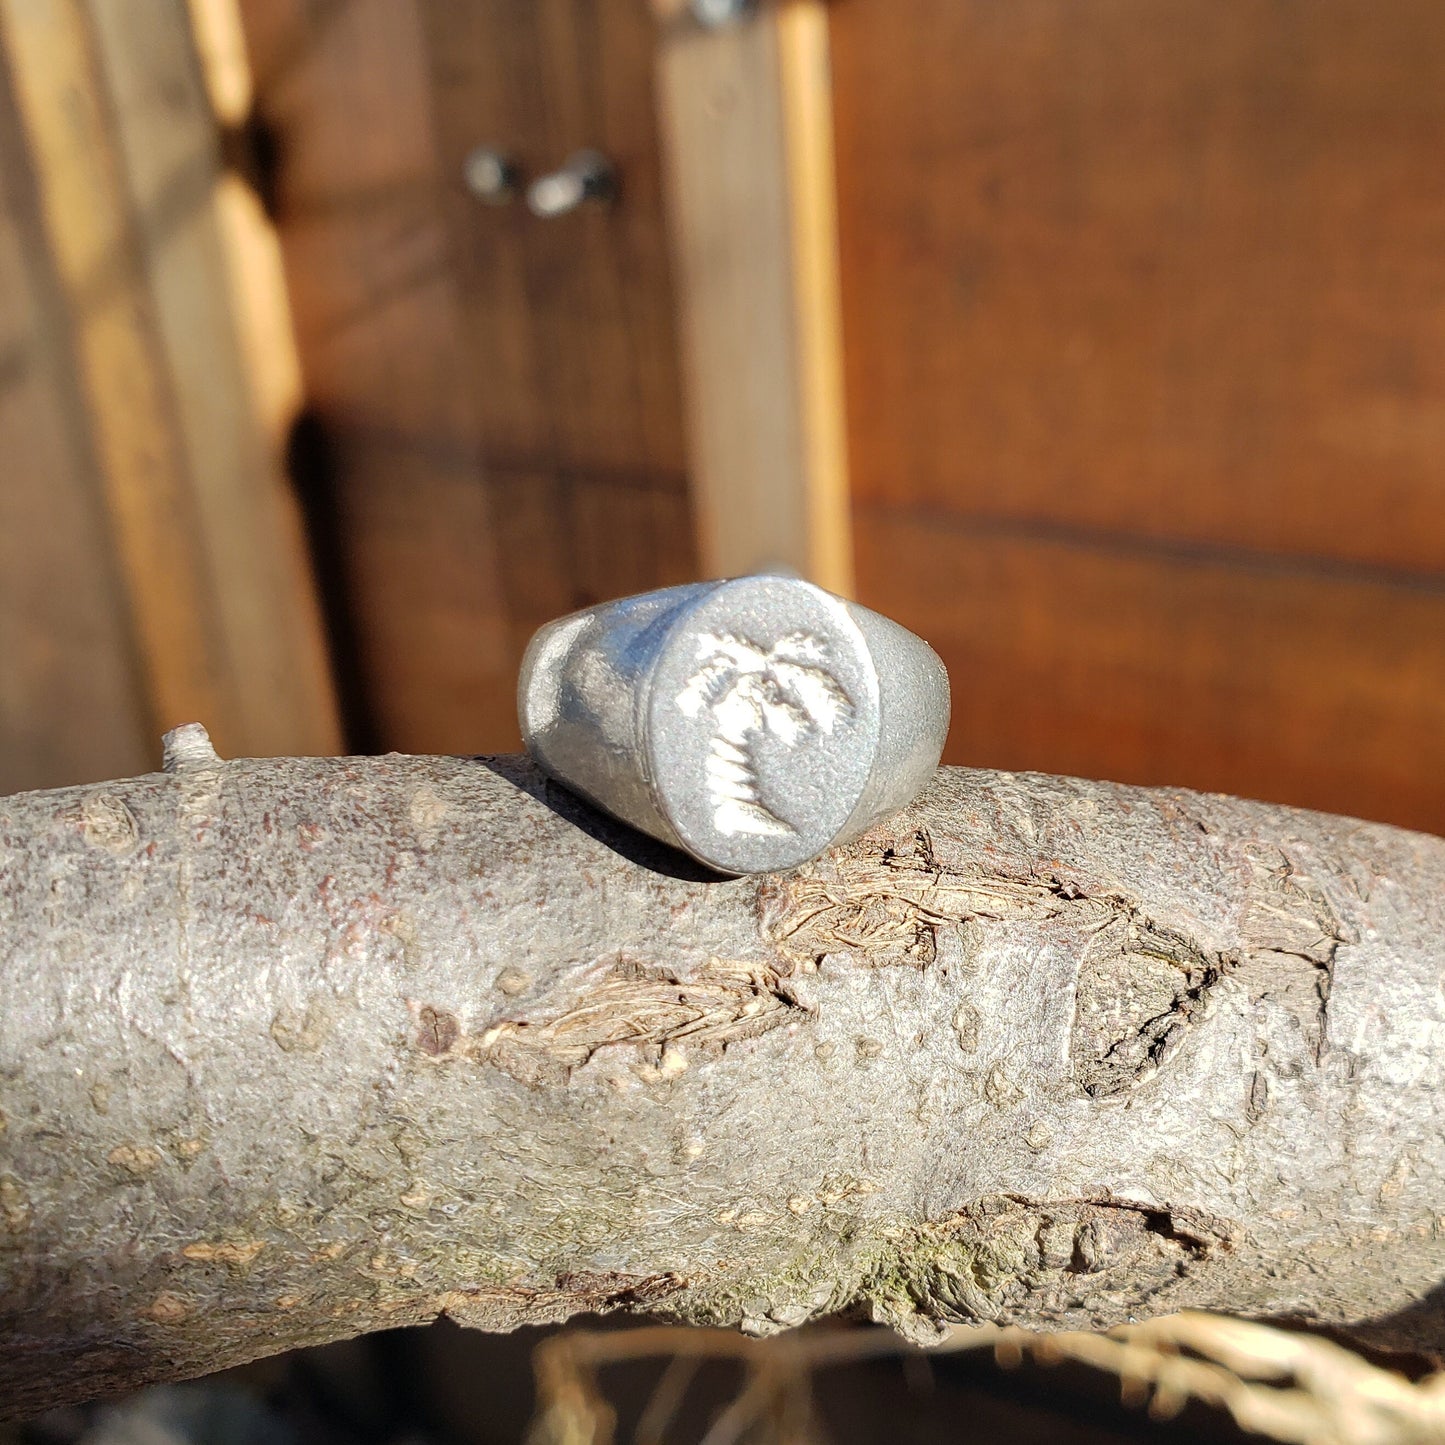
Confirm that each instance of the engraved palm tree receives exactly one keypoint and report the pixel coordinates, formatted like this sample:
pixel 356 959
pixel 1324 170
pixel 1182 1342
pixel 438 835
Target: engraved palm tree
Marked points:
pixel 784 690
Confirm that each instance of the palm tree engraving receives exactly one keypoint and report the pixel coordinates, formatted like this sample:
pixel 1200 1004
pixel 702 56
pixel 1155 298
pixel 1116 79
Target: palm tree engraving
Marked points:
pixel 784 690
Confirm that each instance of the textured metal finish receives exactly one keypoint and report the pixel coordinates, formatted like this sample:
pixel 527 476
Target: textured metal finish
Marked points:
pixel 752 723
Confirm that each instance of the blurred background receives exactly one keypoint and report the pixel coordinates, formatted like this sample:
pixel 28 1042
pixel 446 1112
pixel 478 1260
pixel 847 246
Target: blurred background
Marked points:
pixel 1100 342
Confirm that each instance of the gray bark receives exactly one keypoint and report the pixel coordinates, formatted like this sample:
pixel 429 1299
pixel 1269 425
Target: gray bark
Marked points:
pixel 295 1049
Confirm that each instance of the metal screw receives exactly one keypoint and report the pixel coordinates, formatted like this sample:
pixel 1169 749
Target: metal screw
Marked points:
pixel 716 13
pixel 491 175
pixel 584 176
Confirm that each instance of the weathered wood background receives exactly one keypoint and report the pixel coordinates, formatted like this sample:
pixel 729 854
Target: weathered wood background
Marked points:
pixel 1143 318
pixel 1141 335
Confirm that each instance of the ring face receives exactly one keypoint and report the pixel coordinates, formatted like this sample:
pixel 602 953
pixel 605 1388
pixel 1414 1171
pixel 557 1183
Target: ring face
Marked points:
pixel 752 723
pixel 762 724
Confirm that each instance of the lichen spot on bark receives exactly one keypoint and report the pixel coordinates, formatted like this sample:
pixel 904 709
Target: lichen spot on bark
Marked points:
pixel 512 982
pixel 137 1160
pixel 427 813
pixel 167 1308
pixel 1005 1256
pixel 302 1030
pixel 234 1254
pixel 967 1026
pixel 106 823
pixel 14 1206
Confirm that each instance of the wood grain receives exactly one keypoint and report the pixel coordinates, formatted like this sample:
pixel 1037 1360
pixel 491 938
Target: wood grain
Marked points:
pixel 1104 657
pixel 806 79
pixel 218 616
pixel 570 320
pixel 393 471
pixel 745 111
pixel 1145 319
pixel 548 528
pixel 72 704
pixel 201 272
pixel 82 190
pixel 1176 269
pixel 496 395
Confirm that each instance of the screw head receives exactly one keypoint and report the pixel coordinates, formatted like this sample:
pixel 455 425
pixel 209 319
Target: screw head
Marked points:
pixel 491 175
pixel 586 175
pixel 716 13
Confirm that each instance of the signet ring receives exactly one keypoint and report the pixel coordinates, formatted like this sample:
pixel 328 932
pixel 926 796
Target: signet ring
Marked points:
pixel 752 723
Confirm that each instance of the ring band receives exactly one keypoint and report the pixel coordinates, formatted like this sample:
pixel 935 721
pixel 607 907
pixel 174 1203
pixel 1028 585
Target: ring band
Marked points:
pixel 752 723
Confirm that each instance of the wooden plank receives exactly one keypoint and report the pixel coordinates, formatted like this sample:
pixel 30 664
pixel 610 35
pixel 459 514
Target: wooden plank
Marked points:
pixel 557 338
pixel 205 253
pixel 805 75
pixel 571 542
pixel 84 203
pixel 71 697
pixel 569 320
pixel 746 120
pixel 1175 270
pixel 260 308
pixel 1174 666
pixel 393 471
pixel 125 147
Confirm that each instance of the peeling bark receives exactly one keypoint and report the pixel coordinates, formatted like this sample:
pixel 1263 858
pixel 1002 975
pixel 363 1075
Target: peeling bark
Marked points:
pixel 296 1049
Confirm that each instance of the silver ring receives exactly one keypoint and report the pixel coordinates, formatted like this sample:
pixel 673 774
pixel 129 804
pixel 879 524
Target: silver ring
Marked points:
pixel 751 723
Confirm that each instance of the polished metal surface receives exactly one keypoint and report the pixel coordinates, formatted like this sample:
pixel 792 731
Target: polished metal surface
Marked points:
pixel 752 723
pixel 584 176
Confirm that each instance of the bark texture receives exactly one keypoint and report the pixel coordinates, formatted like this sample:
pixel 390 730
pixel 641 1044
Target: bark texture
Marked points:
pixel 291 1050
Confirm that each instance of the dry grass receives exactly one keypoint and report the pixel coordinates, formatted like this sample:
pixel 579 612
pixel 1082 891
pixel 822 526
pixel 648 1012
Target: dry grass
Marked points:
pixel 1287 1387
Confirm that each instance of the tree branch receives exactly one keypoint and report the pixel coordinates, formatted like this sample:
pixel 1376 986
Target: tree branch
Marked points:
pixel 295 1049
